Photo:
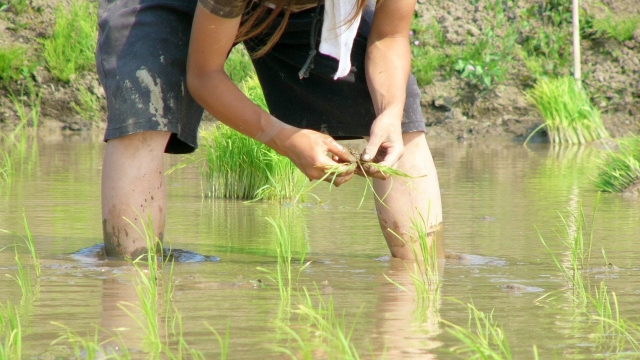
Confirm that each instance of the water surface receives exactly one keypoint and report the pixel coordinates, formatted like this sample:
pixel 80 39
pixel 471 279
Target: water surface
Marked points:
pixel 496 197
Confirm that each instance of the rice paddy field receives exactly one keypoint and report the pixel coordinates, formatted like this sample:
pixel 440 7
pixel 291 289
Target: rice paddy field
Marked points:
pixel 530 272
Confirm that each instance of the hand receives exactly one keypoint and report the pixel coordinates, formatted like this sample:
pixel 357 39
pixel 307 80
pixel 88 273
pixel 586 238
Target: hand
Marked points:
pixel 308 150
pixel 385 145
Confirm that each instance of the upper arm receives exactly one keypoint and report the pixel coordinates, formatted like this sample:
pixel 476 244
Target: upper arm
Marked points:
pixel 212 38
pixel 392 18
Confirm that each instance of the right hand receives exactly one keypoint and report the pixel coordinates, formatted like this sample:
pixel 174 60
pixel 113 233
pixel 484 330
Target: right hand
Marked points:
pixel 313 153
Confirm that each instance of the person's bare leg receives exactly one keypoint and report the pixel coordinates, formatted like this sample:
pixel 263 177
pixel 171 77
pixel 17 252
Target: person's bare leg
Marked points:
pixel 417 199
pixel 133 188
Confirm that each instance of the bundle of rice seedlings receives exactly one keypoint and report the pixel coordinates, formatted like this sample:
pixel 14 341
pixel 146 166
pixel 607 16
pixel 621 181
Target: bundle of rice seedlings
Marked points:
pixel 238 167
pixel 567 111
pixel 620 169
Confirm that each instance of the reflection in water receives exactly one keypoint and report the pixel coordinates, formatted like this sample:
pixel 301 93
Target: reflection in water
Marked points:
pixel 409 327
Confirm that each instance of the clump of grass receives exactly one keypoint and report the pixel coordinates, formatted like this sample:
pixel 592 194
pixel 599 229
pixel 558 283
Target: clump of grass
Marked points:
pixel 483 338
pixel 33 100
pixel 238 167
pixel 11 330
pixel 71 48
pixel 12 60
pixel 88 106
pixel 621 29
pixel 569 116
pixel 621 169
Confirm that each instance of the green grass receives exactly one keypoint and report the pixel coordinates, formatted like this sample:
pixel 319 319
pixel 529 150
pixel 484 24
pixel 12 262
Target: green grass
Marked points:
pixel 89 347
pixel 325 329
pixel 577 238
pixel 238 65
pixel 27 107
pixel 11 331
pixel 620 169
pixel 621 28
pixel 425 275
pixel 569 117
pixel 88 106
pixel 13 60
pixel 238 167
pixel 71 48
pixel 483 338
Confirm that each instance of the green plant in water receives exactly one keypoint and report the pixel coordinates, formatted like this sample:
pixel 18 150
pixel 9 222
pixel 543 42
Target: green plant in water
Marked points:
pixel 483 338
pixel 91 347
pixel 32 117
pixel 577 237
pixel 146 284
pixel 223 342
pixel 568 114
pixel 425 277
pixel 328 327
pixel 71 48
pixel 620 169
pixel 238 167
pixel 11 330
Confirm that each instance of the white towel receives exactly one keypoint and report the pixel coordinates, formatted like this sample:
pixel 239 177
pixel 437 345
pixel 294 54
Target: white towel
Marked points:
pixel 338 34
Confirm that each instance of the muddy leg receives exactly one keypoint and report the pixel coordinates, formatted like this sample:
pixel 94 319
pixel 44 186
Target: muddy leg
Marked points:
pixel 133 188
pixel 410 200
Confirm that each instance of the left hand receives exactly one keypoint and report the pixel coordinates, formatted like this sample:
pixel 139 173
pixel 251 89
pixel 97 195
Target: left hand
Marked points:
pixel 385 145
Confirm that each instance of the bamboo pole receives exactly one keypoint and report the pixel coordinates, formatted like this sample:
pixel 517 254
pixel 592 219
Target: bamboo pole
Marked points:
pixel 577 71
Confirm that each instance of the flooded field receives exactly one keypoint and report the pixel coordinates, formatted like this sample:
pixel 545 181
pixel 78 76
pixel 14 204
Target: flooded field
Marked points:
pixel 498 200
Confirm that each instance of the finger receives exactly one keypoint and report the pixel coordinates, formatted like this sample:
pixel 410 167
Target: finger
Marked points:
pixel 392 156
pixel 340 152
pixel 343 179
pixel 372 148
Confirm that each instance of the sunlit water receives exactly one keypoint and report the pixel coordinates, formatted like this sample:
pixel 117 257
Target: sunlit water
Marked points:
pixel 496 197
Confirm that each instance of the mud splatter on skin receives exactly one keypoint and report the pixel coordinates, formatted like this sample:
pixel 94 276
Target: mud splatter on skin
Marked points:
pixel 156 104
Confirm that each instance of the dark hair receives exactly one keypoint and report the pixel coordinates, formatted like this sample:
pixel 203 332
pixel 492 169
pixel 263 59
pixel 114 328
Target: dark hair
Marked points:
pixel 261 17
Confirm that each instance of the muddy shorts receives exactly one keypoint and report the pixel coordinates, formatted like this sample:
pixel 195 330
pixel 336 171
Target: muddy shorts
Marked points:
pixel 141 59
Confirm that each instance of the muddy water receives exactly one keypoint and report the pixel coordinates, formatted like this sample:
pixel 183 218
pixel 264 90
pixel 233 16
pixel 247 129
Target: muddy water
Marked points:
pixel 495 196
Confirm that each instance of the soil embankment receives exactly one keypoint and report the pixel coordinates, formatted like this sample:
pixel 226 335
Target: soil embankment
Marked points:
pixel 453 106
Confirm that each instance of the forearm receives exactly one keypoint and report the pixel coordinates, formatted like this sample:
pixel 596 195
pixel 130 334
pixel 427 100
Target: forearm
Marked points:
pixel 388 62
pixel 217 94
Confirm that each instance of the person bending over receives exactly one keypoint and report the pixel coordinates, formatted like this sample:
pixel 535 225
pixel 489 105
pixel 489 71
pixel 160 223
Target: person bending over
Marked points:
pixel 329 71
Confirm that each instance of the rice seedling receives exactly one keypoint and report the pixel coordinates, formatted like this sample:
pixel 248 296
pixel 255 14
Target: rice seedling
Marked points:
pixel 577 239
pixel 90 347
pixel 23 279
pixel 146 284
pixel 223 342
pixel 11 330
pixel 483 338
pixel 70 50
pixel 238 167
pixel 328 327
pixel 30 117
pixel 569 116
pixel 425 275
pixel 283 276
pixel 620 169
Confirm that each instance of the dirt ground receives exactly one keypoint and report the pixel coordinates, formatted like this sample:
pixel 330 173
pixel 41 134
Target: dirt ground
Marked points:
pixel 611 68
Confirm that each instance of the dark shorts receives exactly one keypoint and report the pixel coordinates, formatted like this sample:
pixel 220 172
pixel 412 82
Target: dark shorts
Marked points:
pixel 141 59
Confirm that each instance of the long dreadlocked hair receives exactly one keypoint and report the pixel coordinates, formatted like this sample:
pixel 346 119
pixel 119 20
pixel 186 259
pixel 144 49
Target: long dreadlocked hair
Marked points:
pixel 262 16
